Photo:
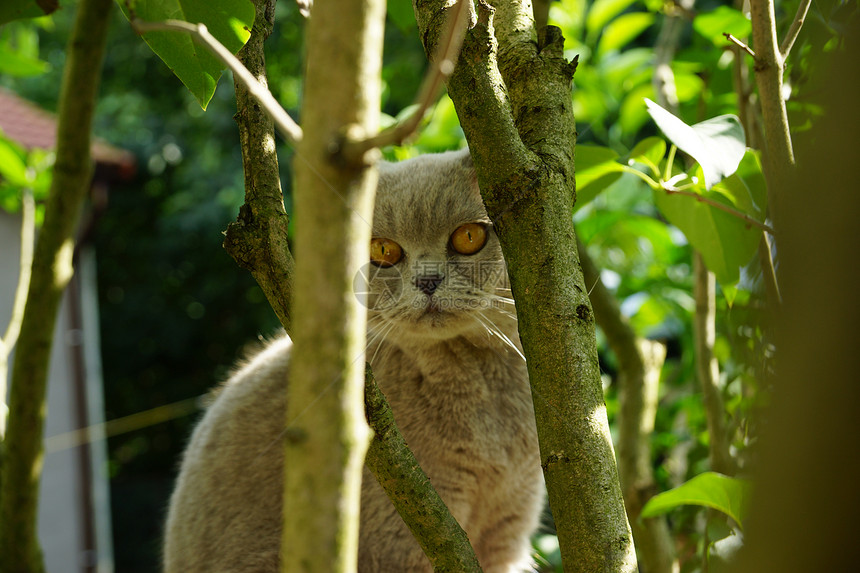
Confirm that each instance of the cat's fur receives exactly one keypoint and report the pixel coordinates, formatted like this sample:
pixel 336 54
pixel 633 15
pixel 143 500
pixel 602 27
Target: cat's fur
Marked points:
pixel 451 368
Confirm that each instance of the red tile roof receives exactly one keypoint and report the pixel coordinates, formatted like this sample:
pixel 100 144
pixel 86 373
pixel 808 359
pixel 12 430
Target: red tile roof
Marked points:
pixel 32 127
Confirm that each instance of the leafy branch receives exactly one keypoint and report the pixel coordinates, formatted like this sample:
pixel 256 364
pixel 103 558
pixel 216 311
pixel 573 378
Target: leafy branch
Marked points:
pixel 286 125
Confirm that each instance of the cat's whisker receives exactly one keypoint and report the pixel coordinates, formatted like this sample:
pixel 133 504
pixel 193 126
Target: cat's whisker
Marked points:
pixel 498 332
pixel 487 329
pixel 384 332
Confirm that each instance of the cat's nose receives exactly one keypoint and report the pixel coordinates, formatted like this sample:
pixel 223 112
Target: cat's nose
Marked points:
pixel 428 283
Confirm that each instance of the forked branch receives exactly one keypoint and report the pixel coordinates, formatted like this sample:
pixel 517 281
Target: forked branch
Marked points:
pixel 441 68
pixel 285 124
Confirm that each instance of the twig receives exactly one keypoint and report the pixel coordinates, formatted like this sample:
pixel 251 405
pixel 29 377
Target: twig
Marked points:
pixel 707 367
pixel 794 30
pixel 28 227
pixel 740 44
pixel 441 68
pixel 769 272
pixel 708 201
pixel 25 265
pixel 285 124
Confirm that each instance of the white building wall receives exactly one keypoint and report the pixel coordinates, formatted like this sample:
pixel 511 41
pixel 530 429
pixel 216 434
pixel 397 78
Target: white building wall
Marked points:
pixel 62 511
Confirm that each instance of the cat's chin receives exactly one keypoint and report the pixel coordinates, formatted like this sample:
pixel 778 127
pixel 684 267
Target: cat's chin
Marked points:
pixel 433 324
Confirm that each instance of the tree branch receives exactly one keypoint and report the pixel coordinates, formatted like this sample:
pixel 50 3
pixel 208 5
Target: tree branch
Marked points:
pixel 769 67
pixel 740 44
pixel 395 467
pixel 258 239
pixel 794 30
pixel 521 135
pixel 52 270
pixel 541 12
pixel 322 482
pixel 13 329
pixel 704 335
pixel 671 190
pixel 288 128
pixel 441 67
pixel 640 362
pixel 771 285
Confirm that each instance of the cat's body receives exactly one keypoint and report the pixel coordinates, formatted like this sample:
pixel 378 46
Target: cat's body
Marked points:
pixel 443 344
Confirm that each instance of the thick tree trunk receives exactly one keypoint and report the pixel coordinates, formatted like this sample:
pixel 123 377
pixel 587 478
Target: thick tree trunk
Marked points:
pixel 639 366
pixel 52 270
pixel 518 120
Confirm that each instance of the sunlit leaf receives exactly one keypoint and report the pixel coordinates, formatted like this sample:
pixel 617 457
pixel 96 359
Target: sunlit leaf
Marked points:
pixel 649 151
pixel 229 21
pixel 624 30
pixel 633 115
pixel 16 64
pixel 710 489
pixel 725 241
pixel 13 166
pixel 19 50
pixel 723 20
pixel 602 12
pixel 718 144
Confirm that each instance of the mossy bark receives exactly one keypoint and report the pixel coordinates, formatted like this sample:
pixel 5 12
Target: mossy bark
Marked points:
pixel 639 365
pixel 52 270
pixel 258 239
pixel 518 119
pixel 395 467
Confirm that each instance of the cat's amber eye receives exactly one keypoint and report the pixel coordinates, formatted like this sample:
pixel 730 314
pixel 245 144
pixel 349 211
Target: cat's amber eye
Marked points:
pixel 385 252
pixel 470 238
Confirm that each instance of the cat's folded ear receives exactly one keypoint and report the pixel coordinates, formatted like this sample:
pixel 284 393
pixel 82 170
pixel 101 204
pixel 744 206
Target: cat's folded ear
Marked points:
pixel 465 158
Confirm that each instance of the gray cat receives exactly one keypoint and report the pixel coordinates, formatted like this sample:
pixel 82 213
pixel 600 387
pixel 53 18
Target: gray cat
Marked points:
pixel 443 343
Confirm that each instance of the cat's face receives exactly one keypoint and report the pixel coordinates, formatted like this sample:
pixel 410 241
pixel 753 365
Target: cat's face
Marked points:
pixel 436 269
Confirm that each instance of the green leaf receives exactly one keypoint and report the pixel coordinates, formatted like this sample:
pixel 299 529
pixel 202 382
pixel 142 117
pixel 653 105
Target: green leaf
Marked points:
pixel 710 489
pixel 723 20
pixel 649 151
pixel 725 241
pixel 718 144
pixel 602 12
pixel 632 115
pixel 13 167
pixel 20 9
pixel 750 174
pixel 15 63
pixel 19 49
pixel 229 21
pixel 624 30
pixel 596 169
